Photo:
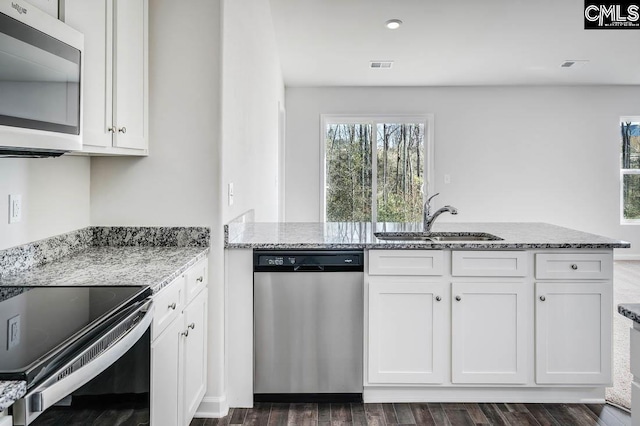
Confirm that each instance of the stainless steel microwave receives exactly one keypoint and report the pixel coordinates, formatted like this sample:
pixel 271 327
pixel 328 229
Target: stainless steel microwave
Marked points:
pixel 41 74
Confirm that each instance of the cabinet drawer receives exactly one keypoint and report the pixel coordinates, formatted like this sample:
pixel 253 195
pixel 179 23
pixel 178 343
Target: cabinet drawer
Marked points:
pixel 406 262
pixel 196 279
pixel 489 263
pixel 574 266
pixel 168 305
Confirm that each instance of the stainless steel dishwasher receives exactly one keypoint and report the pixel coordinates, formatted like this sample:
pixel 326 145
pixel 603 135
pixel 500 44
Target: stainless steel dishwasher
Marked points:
pixel 308 325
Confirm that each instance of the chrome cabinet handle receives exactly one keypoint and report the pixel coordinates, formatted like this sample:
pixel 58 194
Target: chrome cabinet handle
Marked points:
pixel 438 298
pixel 574 266
pixel 185 333
pixel 111 129
pixel 122 130
pixel 542 298
pixel 172 306
pixel 200 279
pixel 458 298
pixel 192 325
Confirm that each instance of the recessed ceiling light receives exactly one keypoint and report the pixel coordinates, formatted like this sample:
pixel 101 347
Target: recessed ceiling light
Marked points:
pixel 393 24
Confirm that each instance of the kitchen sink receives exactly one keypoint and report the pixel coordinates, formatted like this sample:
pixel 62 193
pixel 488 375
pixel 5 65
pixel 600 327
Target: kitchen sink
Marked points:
pixel 436 236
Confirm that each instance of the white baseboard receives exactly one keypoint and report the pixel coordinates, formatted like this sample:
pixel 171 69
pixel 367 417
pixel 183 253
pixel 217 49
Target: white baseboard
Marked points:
pixel 213 407
pixel 480 394
pixel 626 257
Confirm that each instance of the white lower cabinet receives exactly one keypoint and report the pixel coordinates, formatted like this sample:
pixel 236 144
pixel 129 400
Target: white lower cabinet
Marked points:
pixel 179 355
pixel 488 333
pixel 407 330
pixel 195 354
pixel 166 378
pixel 573 332
pixel 516 335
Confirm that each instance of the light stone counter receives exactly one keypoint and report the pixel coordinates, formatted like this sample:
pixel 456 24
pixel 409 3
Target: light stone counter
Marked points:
pixel 360 235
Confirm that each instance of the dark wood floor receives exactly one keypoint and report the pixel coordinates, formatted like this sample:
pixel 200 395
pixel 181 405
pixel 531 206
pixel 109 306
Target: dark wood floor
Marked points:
pixel 422 414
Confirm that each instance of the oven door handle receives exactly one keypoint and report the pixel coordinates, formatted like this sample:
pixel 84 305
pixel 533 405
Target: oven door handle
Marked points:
pixel 84 367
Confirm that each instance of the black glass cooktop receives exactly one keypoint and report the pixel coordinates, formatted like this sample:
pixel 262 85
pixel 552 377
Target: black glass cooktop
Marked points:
pixel 41 325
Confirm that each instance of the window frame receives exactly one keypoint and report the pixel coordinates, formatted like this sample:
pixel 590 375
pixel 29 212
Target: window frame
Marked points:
pixel 374 120
pixel 623 172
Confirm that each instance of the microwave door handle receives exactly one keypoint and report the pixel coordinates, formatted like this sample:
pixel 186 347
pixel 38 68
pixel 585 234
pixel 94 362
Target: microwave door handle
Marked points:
pixel 54 389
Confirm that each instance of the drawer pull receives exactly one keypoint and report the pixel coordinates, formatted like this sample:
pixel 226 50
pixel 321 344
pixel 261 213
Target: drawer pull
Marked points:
pixel 438 298
pixel 200 279
pixel 542 298
pixel 172 306
pixel 185 333
pixel 574 266
pixel 192 325
pixel 458 298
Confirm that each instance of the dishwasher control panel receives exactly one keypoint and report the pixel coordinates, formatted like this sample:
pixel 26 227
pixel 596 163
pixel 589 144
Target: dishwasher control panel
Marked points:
pixel 308 261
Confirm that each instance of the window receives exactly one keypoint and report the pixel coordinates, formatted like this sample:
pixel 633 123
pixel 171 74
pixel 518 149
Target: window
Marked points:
pixel 375 168
pixel 630 169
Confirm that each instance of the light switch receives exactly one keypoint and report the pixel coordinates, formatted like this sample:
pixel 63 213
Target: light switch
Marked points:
pixel 231 193
pixel 447 178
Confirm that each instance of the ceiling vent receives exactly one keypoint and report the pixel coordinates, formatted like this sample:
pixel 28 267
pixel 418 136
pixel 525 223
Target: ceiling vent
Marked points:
pixel 574 63
pixel 380 64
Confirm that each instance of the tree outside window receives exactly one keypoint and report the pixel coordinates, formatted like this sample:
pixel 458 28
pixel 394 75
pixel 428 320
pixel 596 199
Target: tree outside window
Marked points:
pixel 630 168
pixel 374 168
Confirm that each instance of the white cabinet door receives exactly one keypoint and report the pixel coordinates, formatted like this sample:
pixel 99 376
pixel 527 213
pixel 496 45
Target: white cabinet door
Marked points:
pixel 94 19
pixel 166 381
pixel 130 42
pixel 488 332
pixel 407 330
pixel 115 95
pixel 573 333
pixel 195 354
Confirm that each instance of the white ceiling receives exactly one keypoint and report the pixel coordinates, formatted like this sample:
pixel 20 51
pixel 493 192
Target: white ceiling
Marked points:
pixel 448 42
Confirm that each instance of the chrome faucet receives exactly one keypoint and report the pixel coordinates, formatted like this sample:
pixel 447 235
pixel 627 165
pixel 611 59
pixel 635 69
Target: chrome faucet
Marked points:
pixel 429 218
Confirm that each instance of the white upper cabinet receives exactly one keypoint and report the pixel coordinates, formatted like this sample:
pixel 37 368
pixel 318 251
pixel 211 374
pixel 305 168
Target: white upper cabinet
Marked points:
pixel 115 73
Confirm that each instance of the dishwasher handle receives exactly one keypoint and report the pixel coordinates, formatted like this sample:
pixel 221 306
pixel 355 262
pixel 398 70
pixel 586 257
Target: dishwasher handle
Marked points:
pixel 309 268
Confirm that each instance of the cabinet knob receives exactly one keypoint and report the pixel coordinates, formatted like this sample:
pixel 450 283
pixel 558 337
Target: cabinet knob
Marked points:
pixel 438 298
pixel 574 266
pixel 185 333
pixel 200 279
pixel 458 298
pixel 122 130
pixel 111 129
pixel 172 306
pixel 191 326
pixel 542 298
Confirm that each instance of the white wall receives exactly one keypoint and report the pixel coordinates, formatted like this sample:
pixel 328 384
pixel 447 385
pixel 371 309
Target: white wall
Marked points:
pixel 252 87
pixel 55 197
pixel 179 183
pixel 544 154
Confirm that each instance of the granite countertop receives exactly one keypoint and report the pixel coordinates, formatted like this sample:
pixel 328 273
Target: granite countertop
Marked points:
pixel 10 392
pixel 111 266
pixel 100 256
pixel 360 235
pixel 630 310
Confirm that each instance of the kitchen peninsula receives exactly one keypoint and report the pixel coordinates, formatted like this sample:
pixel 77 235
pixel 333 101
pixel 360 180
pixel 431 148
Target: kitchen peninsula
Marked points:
pixel 522 318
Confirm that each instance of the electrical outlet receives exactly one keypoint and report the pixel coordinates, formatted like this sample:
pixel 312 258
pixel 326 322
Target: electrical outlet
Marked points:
pixel 231 194
pixel 13 332
pixel 15 208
